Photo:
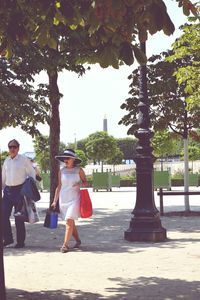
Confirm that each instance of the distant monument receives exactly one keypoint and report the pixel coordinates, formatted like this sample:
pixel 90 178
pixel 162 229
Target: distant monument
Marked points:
pixel 105 124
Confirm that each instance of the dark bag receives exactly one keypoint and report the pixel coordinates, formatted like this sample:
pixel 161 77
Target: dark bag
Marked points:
pixel 29 189
pixel 22 213
pixel 27 212
pixel 51 219
pixel 85 204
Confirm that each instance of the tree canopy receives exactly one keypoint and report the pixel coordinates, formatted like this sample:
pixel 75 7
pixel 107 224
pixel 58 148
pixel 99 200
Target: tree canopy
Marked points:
pixel 42 153
pixel 187 47
pixel 127 146
pixel 21 104
pixel 106 31
pixel 100 146
pixel 165 144
pixel 168 108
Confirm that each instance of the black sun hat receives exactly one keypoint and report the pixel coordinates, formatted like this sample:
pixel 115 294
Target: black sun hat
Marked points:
pixel 68 153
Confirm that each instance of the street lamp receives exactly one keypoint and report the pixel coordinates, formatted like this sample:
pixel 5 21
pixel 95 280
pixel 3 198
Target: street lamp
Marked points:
pixel 145 224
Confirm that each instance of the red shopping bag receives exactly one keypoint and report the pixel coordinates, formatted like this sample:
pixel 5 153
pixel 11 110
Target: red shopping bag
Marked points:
pixel 85 204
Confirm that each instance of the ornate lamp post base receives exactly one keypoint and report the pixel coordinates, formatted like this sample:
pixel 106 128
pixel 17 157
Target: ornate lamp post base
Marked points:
pixel 145 229
pixel 145 225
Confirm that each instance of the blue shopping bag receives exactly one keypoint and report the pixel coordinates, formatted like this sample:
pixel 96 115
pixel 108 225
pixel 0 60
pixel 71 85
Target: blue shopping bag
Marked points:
pixel 51 219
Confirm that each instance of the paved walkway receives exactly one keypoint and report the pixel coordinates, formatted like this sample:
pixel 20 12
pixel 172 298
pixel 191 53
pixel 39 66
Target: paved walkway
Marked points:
pixel 107 266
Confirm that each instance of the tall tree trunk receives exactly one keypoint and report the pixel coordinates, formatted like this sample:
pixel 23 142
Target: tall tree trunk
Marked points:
pixel 54 135
pixel 2 279
pixel 186 163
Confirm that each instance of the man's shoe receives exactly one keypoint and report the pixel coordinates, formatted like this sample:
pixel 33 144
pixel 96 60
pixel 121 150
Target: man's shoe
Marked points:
pixel 6 243
pixel 17 246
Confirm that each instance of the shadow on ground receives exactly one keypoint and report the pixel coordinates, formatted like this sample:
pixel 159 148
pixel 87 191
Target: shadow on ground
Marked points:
pixel 141 288
pixel 105 233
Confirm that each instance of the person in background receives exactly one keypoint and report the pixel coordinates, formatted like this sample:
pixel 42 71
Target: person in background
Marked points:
pixel 16 168
pixel 70 178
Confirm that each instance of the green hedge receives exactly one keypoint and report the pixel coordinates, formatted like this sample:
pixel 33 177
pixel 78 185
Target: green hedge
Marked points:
pixel 125 181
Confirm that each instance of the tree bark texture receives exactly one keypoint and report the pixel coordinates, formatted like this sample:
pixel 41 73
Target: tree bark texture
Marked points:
pixel 54 135
pixel 2 278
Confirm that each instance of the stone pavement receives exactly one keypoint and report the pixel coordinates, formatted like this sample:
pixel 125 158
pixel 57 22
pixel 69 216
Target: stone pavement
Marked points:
pixel 107 266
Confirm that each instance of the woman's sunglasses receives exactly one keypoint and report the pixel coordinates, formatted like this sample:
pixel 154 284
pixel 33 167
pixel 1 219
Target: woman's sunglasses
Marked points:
pixel 14 147
pixel 68 158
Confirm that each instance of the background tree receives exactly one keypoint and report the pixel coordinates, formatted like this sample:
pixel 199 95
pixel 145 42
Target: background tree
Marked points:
pixel 3 154
pixel 193 153
pixel 164 144
pixel 42 152
pixel 116 158
pixel 166 96
pixel 168 107
pixel 81 144
pixel 21 104
pixel 100 146
pixel 41 149
pixel 52 61
pixel 187 46
pixel 127 146
pixel 83 157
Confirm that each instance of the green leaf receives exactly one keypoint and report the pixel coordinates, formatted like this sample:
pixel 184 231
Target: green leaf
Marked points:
pixel 57 4
pixel 140 55
pixel 73 27
pixel 59 17
pixel 126 53
pixel 8 52
pixel 56 22
pixel 186 11
pixel 188 89
pixel 52 43
pixel 168 26
pixel 109 57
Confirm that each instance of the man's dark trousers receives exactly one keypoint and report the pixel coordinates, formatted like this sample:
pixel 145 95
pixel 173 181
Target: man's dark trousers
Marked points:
pixel 12 198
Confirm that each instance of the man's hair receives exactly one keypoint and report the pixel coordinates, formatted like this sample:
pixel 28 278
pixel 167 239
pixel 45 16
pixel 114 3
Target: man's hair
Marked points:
pixel 16 142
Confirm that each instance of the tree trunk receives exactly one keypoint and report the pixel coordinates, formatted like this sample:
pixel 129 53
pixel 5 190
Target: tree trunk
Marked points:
pixel 186 161
pixel 2 279
pixel 54 135
pixel 186 175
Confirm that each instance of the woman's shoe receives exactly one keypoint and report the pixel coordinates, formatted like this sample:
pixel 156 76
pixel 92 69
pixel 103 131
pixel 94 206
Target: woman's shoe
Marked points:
pixel 77 245
pixel 64 249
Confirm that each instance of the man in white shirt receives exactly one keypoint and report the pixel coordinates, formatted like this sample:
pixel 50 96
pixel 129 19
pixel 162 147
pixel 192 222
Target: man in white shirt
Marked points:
pixel 16 168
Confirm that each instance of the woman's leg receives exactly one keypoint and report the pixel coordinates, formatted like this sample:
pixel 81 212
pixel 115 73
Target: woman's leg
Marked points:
pixel 75 233
pixel 68 231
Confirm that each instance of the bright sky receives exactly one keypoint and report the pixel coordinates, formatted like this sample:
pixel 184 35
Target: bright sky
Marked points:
pixel 98 93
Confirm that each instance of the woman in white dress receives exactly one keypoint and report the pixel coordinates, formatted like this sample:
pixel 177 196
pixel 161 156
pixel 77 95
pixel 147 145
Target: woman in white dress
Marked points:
pixel 70 178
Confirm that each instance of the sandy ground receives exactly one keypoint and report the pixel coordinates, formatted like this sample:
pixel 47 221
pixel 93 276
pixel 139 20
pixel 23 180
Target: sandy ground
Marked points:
pixel 107 266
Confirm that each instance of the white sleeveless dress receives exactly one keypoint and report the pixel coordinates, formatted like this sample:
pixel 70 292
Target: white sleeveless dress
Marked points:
pixel 69 197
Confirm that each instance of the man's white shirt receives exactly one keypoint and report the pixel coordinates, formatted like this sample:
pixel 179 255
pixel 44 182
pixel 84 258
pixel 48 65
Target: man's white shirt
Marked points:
pixel 16 170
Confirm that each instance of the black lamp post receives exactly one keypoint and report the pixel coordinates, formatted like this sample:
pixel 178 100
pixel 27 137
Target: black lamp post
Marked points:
pixel 145 224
